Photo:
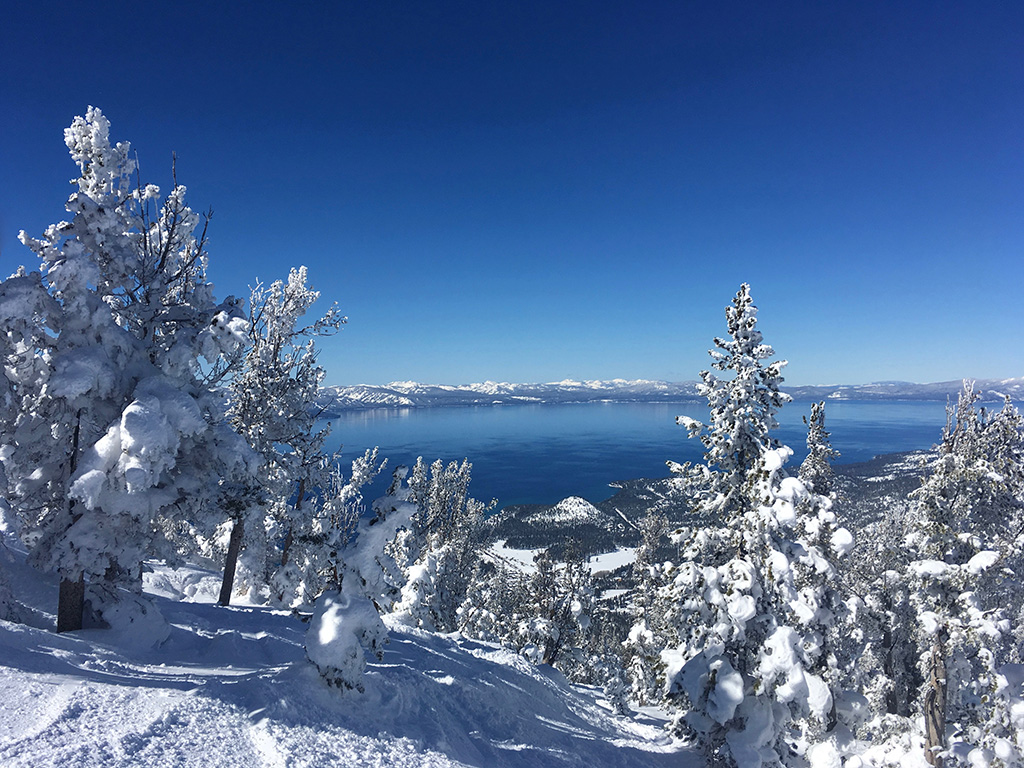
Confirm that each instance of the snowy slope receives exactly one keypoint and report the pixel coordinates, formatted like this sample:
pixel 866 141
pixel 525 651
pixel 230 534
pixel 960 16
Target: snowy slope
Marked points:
pixel 231 687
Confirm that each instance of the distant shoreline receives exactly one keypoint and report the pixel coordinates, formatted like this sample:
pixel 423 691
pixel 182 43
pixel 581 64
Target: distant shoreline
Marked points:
pixel 335 399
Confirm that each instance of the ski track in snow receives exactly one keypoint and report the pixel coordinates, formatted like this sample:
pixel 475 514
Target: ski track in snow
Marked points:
pixel 231 687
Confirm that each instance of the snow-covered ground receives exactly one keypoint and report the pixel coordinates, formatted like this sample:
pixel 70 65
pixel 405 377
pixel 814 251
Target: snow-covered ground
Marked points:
pixel 603 563
pixel 232 687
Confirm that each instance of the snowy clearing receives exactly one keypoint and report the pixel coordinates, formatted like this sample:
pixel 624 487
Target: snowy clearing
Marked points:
pixel 523 558
pixel 231 686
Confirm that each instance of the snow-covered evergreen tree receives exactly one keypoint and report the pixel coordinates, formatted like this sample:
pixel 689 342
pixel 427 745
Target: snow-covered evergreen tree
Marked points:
pixel 9 609
pixel 346 619
pixel 116 427
pixel 816 470
pixel 742 413
pixel 878 649
pixel 439 550
pixel 1005 587
pixel 647 637
pixel 322 555
pixel 754 597
pixel 559 607
pixel 273 406
pixel 964 521
pixel 27 313
pixel 494 604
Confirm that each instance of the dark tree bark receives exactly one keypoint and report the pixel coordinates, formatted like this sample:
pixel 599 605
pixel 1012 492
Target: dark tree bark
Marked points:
pixel 70 604
pixel 289 538
pixel 889 668
pixel 71 594
pixel 230 562
pixel 935 703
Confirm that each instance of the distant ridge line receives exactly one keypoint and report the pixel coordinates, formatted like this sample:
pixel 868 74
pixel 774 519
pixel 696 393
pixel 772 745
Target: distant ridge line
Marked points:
pixel 410 394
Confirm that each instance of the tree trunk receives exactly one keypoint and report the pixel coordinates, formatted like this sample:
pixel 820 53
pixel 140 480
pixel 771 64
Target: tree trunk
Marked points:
pixel 935 703
pixel 70 604
pixel 234 547
pixel 71 593
pixel 286 548
pixel 289 538
pixel 889 669
pixel 550 653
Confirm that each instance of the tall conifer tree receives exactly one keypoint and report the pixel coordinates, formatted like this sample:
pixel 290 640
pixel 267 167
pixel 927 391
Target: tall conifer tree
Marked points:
pixel 751 602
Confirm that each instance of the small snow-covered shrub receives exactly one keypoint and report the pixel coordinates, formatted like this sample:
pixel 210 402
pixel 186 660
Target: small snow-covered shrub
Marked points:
pixel 343 625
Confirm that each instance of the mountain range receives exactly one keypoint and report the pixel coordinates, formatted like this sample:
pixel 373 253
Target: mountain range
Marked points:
pixel 411 394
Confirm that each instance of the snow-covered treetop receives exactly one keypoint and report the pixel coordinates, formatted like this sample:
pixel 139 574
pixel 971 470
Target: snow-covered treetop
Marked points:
pixel 975 481
pixel 816 468
pixel 106 170
pixel 742 406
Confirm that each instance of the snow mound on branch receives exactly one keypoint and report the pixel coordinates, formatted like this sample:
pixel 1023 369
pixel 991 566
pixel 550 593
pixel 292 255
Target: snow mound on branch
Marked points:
pixel 933 569
pixel 982 561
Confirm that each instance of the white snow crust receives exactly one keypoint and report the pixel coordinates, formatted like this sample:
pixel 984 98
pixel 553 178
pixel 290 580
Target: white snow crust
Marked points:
pixel 232 687
pixel 522 559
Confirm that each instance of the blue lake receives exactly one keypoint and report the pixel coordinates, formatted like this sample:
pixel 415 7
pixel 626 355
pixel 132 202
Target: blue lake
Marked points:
pixel 539 454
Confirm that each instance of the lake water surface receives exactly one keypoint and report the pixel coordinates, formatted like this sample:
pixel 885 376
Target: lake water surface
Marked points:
pixel 539 454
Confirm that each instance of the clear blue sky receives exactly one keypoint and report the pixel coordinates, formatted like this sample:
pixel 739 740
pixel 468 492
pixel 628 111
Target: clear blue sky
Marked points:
pixel 544 190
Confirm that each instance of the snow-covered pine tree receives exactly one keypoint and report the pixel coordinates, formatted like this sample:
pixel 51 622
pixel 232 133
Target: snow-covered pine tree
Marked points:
pixel 647 637
pixel 116 426
pixel 559 607
pixel 816 470
pixel 273 406
pixel 963 521
pixel 754 597
pixel 346 619
pixel 1006 440
pixel 27 311
pixel 357 573
pixel 878 651
pixel 323 555
pixel 440 549
pixel 392 517
pixel 742 412
pixel 9 608
pixel 494 603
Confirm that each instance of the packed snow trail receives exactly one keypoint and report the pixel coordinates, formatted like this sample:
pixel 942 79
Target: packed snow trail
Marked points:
pixel 231 686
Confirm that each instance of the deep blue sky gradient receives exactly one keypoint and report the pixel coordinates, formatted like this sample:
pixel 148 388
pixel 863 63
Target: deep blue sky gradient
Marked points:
pixel 536 191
